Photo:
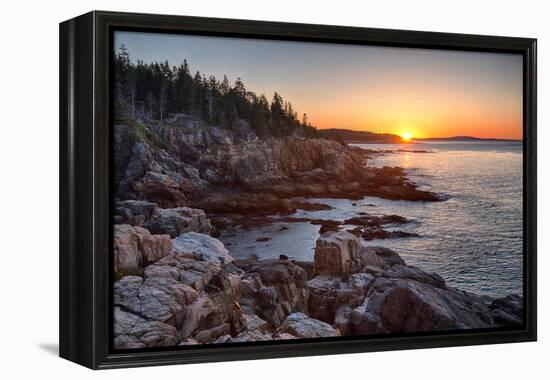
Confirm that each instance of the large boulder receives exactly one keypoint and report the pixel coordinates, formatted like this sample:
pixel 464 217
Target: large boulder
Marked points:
pixel 395 305
pixel 328 294
pixel 322 297
pixel 204 321
pixel 202 263
pixel 337 254
pixel 161 299
pixel 175 221
pixel 187 270
pixel 133 331
pixel 416 274
pixel 127 255
pixel 154 247
pixel 302 326
pixel 135 247
pixel 201 247
pixel 273 289
pixel 379 257
pixel 508 311
pixel 213 311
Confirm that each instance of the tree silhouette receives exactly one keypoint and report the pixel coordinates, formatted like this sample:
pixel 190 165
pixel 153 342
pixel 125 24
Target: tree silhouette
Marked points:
pixel 157 91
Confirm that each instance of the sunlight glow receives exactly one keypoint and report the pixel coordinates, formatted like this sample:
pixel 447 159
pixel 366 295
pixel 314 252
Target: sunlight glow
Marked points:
pixel 379 89
pixel 406 136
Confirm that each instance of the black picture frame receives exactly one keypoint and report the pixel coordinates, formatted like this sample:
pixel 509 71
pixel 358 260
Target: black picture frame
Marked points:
pixel 85 210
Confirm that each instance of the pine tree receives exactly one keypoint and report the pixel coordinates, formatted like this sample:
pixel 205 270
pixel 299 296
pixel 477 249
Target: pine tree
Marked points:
pixel 213 91
pixel 196 95
pixel 239 88
pixel 157 90
pixel 224 87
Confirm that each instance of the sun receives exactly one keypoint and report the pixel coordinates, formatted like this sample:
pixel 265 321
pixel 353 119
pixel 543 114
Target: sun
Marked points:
pixel 406 136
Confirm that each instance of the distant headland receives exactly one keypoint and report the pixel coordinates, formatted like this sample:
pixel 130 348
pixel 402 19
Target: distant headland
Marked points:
pixel 461 138
pixel 352 136
pixel 348 135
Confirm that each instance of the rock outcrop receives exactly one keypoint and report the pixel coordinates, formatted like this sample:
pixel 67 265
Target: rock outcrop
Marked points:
pixel 273 289
pixel 196 293
pixel 161 299
pixel 379 294
pixel 337 254
pixel 302 326
pixel 133 212
pixel 201 247
pixel 160 188
pixel 175 221
pixel 171 221
pixel 402 305
pixel 190 291
pixel 133 331
pixel 185 162
pixel 379 257
pixel 135 247
pixel 507 311
pixel 329 294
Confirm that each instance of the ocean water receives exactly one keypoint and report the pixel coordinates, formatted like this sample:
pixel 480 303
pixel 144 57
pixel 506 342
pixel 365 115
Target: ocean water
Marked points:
pixel 474 239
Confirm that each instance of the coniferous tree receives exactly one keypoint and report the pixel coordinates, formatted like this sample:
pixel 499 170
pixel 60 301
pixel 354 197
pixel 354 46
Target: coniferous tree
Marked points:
pixel 224 86
pixel 213 91
pixel 158 90
pixel 277 116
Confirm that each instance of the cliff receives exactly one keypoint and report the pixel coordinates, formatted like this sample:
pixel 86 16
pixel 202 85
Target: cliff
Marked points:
pixel 186 162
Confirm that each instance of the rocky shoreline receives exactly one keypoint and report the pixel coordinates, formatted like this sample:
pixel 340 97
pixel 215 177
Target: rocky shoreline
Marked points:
pixel 189 290
pixel 185 162
pixel 181 182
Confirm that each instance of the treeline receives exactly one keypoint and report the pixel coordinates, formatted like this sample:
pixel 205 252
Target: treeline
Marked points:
pixel 157 91
pixel 347 135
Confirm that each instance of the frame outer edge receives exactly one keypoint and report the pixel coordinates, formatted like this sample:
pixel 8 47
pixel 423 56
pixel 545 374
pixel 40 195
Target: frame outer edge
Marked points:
pixel 532 125
pixel 76 327
pixel 65 322
pixel 84 177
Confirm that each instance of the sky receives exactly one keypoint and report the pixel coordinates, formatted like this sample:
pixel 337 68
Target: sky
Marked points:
pixel 421 92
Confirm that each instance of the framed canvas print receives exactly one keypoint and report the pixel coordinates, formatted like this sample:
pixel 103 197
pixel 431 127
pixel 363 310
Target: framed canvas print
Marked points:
pixel 237 189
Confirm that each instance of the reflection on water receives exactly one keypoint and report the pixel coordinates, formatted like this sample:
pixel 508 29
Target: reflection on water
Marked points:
pixel 474 239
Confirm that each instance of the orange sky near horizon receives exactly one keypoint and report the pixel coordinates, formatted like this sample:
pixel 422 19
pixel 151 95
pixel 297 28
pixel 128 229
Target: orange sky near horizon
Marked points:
pixel 424 92
pixel 443 115
pixel 438 101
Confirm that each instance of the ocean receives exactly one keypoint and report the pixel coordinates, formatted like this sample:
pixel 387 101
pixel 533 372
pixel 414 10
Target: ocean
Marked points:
pixel 474 240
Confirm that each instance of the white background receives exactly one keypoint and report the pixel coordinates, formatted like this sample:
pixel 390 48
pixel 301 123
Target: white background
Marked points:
pixel 29 187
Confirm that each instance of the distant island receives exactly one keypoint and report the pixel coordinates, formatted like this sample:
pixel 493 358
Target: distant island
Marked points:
pixel 352 136
pixel 461 138
pixel 348 135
